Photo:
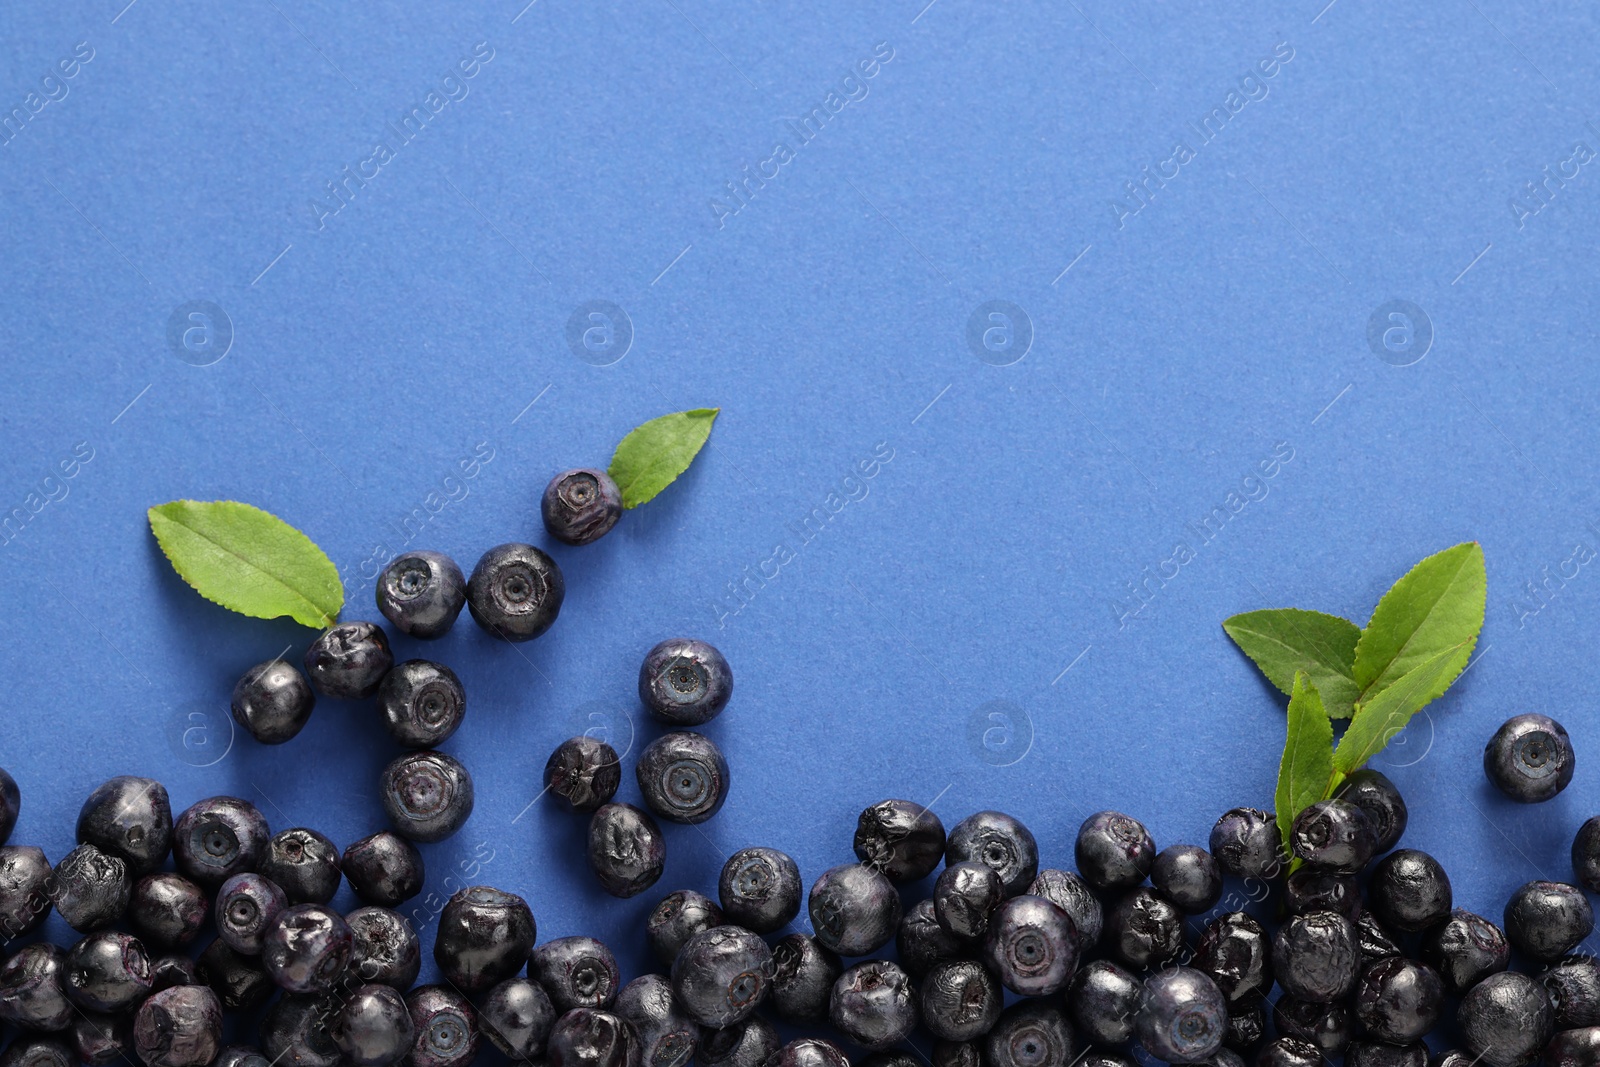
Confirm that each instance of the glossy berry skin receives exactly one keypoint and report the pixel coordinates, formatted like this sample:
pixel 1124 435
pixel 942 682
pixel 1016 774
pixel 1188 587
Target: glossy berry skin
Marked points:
pixel 904 841
pixel 33 988
pixel 384 869
pixel 583 773
pixel 445 1025
pixel 240 1056
pixel 1246 843
pixel 680 915
pixel 304 864
pixel 751 1043
pixel 1103 1002
pixel 515 592
pixel 384 949
pixel 239 981
pixel 625 849
pixel 1319 889
pixel 809 1052
pixel 485 936
pixel 1547 920
pixel 516 1016
pixel 964 898
pixel 218 838
pixel 1032 946
pixel 1182 1015
pixel 1315 956
pixel 272 702
pixel 1373 793
pixel 803 973
pixel 667 1036
pixel 1030 1033
pixel 1245 1031
pixel 246 906
pixel 101 1040
pixel 1188 876
pixel 1327 1026
pixel 1409 890
pixel 721 975
pixel 179 1027
pixel 1452 1058
pixel 1143 929
pixel 921 943
pixel 1072 895
pixel 996 840
pixel 90 888
pixel 760 889
pixel 1382 1054
pixel 683 777
pixel 1530 758
pixel 960 1000
pixel 107 972
pixel 299 1031
pixel 427 795
pixel 577 972
pixel 1579 1047
pixel 307 948
pixel 1114 851
pixel 580 506
pixel 374 1027
pixel 1334 834
pixel 10 805
pixel 1573 986
pixel 1586 855
pixel 1289 1052
pixel 1399 1000
pixel 421 593
pixel 35 1051
pixel 1506 1019
pixel 874 1005
pixel 854 910
pixel 1465 949
pixel 25 875
pixel 168 971
pixel 1374 939
pixel 131 818
pixel 421 702
pixel 685 682
pixel 348 660
pixel 1235 952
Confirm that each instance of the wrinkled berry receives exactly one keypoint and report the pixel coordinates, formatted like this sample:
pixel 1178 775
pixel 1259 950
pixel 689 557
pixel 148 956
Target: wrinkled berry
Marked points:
pixel 683 777
pixel 240 1056
pixel 107 972
pixel 964 898
pixel 1182 1015
pixel 1327 1026
pixel 1547 919
pixel 1409 890
pixel 516 1016
pixel 299 1031
pixel 307 948
pixel 25 876
pixel 803 973
pixel 1375 939
pixel 1235 952
pixel 667 1036
pixel 384 869
pixel 970 1054
pixel 1334 834
pixel 240 982
pixel 90 888
pixel 384 948
pixel 1315 956
pixel 33 988
pixel 960 1000
pixel 515 592
pixel 1373 793
pixel 722 975
pixel 1289 1052
pixel 272 701
pixel 1032 946
pixel 854 910
pixel 35 1051
pixel 1399 1000
pixel 1072 895
pixel 427 795
pixel 1465 949
pixel 485 936
pixel 246 906
pixel 348 660
pixel 1319 889
pixel 809 1052
pixel 873 1004
pixel 179 1027
pixel 1579 1047
pixel 218 838
pixel 1188 876
pixel 421 593
pixel 446 1028
pixel 1246 843
pixel 760 889
pixel 168 971
pixel 1530 758
pixel 577 972
pixel 583 773
pixel 580 506
pixel 422 703
pixel 131 818
pixel 680 915
pixel 374 1027
pixel 1030 1033
pixel 1573 986
pixel 1245 1030
pixel 1506 1019
pixel 590 1037
pixel 904 841
pixel 996 840
pixel 921 942
pixel 751 1043
pixel 626 850
pixel 1103 1002
pixel 100 1040
pixel 1382 1054
pixel 1143 929
pixel 167 910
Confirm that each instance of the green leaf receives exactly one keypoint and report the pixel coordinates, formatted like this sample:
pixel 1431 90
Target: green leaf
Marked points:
pixel 1307 764
pixel 652 456
pixel 1379 719
pixel 1437 606
pixel 248 560
pixel 1284 641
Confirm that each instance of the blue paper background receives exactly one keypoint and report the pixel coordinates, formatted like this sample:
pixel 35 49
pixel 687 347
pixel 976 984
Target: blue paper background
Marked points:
pixel 375 349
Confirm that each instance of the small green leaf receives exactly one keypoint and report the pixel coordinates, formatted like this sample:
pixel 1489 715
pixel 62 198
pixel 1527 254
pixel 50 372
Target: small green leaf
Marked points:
pixel 652 456
pixel 1307 764
pixel 248 560
pixel 1438 605
pixel 1379 719
pixel 1283 641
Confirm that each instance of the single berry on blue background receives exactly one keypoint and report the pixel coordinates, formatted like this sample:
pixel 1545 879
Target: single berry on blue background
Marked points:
pixel 1235 952
pixel 721 975
pixel 625 849
pixel 683 776
pixel 374 1027
pixel 1334 834
pixel 1114 851
pixel 246 906
pixel 760 889
pixel 446 1028
pixel 580 506
pixel 1547 920
pixel 680 915
pixel 421 593
pixel 383 948
pixel 1032 946
pixel 577 972
pixel 217 838
pixel 667 1036
pixel 803 973
pixel 1315 956
pixel 1103 1001
pixel 1529 758
pixel 384 869
pixel 90 888
pixel 1247 844
pixel 427 795
pixel 515 592
pixel 348 661
pixel 1506 1019
pixel 1182 1015
pixel 129 817
pixel 996 840
pixel 905 841
pixel 1399 1000
pixel 685 682
pixel 1373 793
pixel 1072 895
pixel 1188 876
pixel 874 1005
pixel 107 971
pixel 484 937
pixel 583 773
pixel 307 949
pixel 961 1000
pixel 272 701
pixel 517 1016
pixel 854 910
pixel 1409 891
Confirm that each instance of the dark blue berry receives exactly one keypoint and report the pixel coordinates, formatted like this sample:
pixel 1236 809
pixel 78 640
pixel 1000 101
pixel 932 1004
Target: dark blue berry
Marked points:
pixel 1375 939
pixel 129 817
pixel 1246 1029
pixel 1188 876
pixel 1327 1026
pixel 1578 1047
pixel 374 1027
pixel 422 703
pixel 1235 952
pixel 272 701
pixel 1373 793
pixel 577 972
pixel 1547 920
pixel 10 805
pixel 383 869
pixel 1573 986
pixel 873 1004
pixel 721 975
pixel 854 910
pixel 1320 889
pixel 33 991
pixel 515 592
pixel 1334 834
pixel 218 838
pixel 1530 758
pixel 679 916
pixel 752 1043
pixel 904 841
pixel 240 1056
pixel 348 661
pixel 1072 895
pixel 307 948
pixel 996 840
pixel 580 506
pixel 964 898
pixel 626 850
pixel 1032 946
pixel 1143 929
pixel 1409 890
pixel 970 1054
pixel 1103 1002
pixel 1114 851
pixel 685 682
pixel 1246 843
pixel 168 971
pixel 1182 1015
pixel 384 949
pixel 683 777
pixel 427 795
pixel 1031 1033
pixel 1506 1019
pixel 921 942
pixel 1586 855
pixel 299 1031
pixel 1289 1052
pixel 803 973
pixel 760 889
pixel 485 936
pixel 960 1000
pixel 517 1016
pixel 1465 949
pixel 1096 1057
pixel 421 593
pixel 1315 956
pixel 304 864
pixel 91 888
pixel 809 1052
pixel 446 1028
pixel 1398 1000
pixel 246 906
pixel 99 1040
pixel 583 773
pixel 1454 1058
pixel 32 1050
pixel 1382 1054
pixel 667 1036
pixel 240 982
pixel 179 1027
pixel 25 876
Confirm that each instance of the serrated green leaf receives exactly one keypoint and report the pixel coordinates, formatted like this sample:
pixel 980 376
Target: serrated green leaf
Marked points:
pixel 248 560
pixel 1283 641
pixel 652 456
pixel 1377 721
pixel 1307 764
pixel 1438 605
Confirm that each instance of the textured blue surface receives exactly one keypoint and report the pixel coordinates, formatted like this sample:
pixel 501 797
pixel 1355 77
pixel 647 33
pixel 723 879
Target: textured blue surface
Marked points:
pixel 399 372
